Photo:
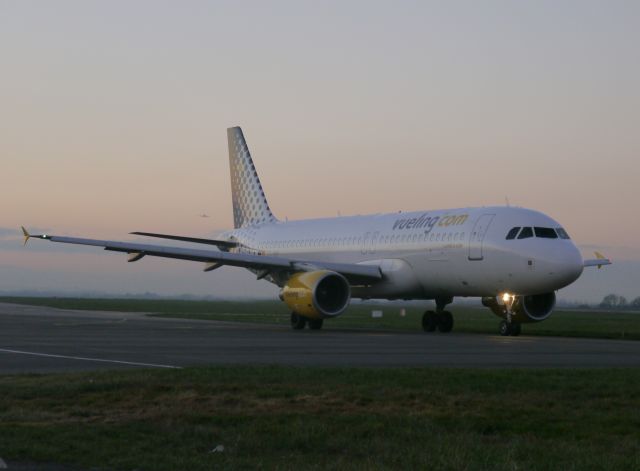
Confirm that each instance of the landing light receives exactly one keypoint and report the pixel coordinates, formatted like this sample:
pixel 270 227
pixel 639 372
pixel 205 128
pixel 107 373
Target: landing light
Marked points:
pixel 508 299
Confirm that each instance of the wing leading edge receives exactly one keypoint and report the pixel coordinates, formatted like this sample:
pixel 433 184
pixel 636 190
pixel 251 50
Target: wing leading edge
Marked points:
pixel 194 240
pixel 355 273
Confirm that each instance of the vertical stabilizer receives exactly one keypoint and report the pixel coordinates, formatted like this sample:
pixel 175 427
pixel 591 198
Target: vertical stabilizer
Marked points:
pixel 249 202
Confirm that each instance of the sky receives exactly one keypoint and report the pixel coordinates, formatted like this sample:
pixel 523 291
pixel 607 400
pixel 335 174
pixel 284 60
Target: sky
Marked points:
pixel 113 118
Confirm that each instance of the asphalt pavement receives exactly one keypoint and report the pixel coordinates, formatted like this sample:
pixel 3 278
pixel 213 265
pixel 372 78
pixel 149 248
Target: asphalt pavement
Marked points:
pixel 42 340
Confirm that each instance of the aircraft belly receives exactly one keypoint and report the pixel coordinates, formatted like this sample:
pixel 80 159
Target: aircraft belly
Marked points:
pixel 399 282
pixel 440 274
pixel 452 274
pixel 499 273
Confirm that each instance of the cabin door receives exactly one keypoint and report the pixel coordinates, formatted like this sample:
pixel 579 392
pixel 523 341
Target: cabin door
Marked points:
pixel 476 238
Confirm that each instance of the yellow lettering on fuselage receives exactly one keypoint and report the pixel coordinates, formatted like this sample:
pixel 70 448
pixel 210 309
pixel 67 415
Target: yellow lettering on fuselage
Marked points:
pixel 447 221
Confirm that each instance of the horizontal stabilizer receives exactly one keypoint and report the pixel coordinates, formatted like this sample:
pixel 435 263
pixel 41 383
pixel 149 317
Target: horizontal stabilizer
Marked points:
pixel 599 262
pixel 26 235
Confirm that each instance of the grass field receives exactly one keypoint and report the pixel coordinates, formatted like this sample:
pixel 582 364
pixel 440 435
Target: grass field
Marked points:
pixel 595 324
pixel 312 418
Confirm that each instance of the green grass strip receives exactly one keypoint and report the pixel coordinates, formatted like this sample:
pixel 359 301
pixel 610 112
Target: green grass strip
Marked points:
pixel 325 418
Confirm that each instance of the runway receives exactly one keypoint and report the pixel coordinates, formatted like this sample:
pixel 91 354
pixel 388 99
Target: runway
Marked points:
pixel 43 340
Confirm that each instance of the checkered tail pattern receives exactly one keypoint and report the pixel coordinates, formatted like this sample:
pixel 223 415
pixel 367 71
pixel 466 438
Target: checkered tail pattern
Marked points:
pixel 250 205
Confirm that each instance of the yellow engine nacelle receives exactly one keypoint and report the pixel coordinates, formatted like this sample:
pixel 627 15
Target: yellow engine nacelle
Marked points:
pixel 317 294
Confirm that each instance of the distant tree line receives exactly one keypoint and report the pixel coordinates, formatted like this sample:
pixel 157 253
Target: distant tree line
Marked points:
pixel 615 301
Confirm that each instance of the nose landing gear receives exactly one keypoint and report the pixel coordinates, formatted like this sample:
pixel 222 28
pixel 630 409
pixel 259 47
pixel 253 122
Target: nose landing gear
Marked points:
pixel 513 328
pixel 509 326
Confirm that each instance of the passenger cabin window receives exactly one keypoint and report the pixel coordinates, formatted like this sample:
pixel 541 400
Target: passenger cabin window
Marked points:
pixel 513 233
pixel 526 233
pixel 562 233
pixel 545 233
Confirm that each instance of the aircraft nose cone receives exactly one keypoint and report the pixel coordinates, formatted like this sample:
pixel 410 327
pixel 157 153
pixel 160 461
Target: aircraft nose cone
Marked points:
pixel 568 265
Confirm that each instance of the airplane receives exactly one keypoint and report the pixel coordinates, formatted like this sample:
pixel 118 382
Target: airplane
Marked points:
pixel 514 259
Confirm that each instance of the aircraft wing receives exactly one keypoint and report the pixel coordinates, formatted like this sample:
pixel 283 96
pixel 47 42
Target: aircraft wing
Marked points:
pixel 355 273
pixel 597 262
pixel 194 240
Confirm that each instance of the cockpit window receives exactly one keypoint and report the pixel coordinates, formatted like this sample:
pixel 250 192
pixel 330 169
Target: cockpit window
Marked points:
pixel 545 233
pixel 513 233
pixel 562 233
pixel 526 233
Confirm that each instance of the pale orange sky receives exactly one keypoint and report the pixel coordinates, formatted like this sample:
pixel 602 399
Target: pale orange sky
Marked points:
pixel 114 113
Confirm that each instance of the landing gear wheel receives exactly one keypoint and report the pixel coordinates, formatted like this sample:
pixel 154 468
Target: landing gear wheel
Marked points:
pixel 298 322
pixel 505 328
pixel 429 321
pixel 315 324
pixel 445 322
pixel 516 328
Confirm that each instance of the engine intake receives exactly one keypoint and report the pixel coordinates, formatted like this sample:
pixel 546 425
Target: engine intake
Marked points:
pixel 317 294
pixel 534 308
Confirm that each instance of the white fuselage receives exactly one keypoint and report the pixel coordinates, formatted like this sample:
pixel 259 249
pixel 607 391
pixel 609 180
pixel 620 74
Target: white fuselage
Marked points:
pixel 430 254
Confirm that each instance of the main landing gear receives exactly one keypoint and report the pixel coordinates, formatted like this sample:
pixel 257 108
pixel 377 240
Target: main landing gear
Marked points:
pixel 299 322
pixel 440 319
